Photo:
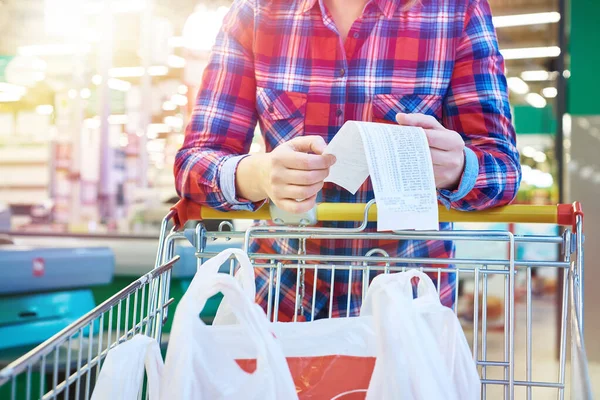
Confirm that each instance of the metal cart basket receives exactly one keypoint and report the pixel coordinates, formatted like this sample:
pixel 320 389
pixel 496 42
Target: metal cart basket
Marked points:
pixel 502 334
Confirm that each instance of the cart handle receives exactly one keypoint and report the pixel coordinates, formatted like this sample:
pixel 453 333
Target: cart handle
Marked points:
pixel 562 214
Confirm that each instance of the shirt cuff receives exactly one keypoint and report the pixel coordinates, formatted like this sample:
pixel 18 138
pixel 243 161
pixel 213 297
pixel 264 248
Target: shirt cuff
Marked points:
pixel 227 183
pixel 467 182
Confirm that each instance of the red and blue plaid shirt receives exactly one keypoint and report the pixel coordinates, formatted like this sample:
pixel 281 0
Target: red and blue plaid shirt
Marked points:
pixel 282 63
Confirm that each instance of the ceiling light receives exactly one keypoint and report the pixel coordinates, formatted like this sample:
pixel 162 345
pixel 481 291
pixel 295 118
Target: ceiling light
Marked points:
pixel 539 157
pixel 517 85
pixel 535 100
pixel 85 93
pixel 526 19
pixel 169 106
pixel 118 119
pixel 118 84
pixel 44 109
pixel 176 41
pixel 136 72
pixel 9 88
pixel 9 97
pixel 538 75
pixel 176 61
pixel 57 49
pixel 182 89
pixel 179 100
pixel 530 52
pixel 175 122
pixel 529 151
pixel 550 92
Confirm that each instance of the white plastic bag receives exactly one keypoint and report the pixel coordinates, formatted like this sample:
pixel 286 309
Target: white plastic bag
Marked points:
pixel 198 366
pixel 122 372
pixel 422 352
pixel 244 275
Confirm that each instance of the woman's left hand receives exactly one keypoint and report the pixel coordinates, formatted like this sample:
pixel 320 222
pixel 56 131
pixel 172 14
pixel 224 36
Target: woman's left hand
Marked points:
pixel 447 149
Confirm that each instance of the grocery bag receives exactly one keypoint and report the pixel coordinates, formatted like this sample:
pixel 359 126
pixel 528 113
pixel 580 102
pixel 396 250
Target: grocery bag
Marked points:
pixel 122 372
pixel 199 366
pixel 422 352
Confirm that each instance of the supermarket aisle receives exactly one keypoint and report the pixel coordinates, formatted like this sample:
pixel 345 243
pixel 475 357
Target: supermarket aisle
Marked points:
pixel 544 357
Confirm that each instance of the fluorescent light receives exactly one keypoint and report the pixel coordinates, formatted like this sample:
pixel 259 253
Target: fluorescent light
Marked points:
pixel 9 97
pixel 529 151
pixel 175 122
pixel 517 85
pixel 155 129
pixel 9 88
pixel 169 106
pixel 535 100
pixel 57 49
pixel 179 100
pixel 176 41
pixel 539 157
pixel 113 83
pixel 117 84
pixel 530 52
pixel 538 75
pixel 158 70
pixel 182 89
pixel 176 61
pixel 85 93
pixel 550 92
pixel 118 119
pixel 526 19
pixel 136 72
pixel 44 109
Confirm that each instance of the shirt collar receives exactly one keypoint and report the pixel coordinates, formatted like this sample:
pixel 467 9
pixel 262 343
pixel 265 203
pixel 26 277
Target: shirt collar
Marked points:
pixel 387 7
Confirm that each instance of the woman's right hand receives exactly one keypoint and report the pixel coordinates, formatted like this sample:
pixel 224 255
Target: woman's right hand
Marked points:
pixel 291 175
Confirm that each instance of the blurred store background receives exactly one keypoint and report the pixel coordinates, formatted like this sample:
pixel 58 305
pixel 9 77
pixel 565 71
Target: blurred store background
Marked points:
pixel 95 96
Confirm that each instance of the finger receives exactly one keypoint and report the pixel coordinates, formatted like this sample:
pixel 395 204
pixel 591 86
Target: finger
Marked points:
pixel 300 177
pixel 420 120
pixel 299 192
pixel 308 144
pixel 297 207
pixel 308 162
pixel 444 140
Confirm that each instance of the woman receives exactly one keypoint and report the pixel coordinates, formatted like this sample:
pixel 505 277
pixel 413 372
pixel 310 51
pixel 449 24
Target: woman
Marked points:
pixel 301 68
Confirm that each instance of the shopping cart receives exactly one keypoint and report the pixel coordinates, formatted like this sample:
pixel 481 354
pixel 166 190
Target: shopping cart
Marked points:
pixel 67 365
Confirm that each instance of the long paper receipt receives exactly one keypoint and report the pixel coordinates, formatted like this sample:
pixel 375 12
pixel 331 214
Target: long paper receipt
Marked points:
pixel 399 162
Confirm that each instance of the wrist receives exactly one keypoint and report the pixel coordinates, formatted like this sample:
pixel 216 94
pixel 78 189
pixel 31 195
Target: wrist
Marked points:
pixel 251 177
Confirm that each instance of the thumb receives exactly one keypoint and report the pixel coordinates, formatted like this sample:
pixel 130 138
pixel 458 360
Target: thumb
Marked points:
pixel 308 144
pixel 419 120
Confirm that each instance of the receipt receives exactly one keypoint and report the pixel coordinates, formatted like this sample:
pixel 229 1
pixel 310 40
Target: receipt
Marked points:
pixel 398 160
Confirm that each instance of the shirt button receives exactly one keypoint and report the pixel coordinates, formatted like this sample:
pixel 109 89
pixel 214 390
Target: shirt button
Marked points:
pixel 342 72
pixel 339 112
pixel 355 35
pixel 270 109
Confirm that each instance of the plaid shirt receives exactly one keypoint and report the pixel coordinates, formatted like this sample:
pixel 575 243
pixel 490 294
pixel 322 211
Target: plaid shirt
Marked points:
pixel 282 63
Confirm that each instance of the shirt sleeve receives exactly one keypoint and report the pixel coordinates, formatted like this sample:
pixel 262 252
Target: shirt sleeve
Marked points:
pixel 222 124
pixel 477 107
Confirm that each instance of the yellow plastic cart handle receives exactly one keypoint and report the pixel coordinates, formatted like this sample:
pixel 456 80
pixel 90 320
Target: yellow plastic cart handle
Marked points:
pixel 562 214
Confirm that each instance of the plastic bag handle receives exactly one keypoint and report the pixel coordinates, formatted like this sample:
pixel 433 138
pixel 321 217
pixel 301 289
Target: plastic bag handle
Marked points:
pixel 400 282
pixel 245 273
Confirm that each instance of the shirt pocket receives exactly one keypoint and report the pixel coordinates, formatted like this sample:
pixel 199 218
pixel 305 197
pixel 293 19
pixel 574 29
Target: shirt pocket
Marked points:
pixel 386 106
pixel 281 114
